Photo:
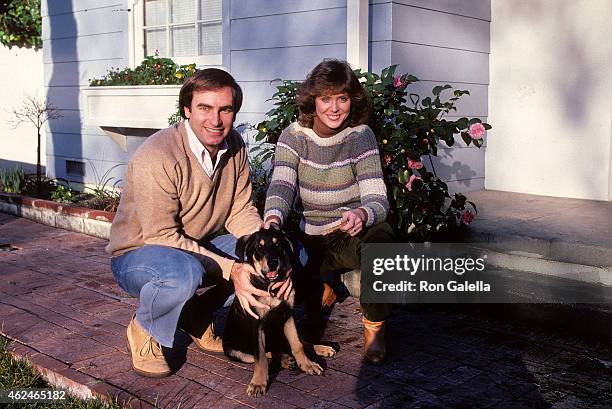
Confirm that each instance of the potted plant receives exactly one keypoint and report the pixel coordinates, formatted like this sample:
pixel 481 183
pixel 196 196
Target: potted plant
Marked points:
pixel 143 97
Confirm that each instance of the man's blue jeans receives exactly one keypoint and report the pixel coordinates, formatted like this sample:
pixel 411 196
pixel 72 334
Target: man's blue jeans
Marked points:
pixel 164 279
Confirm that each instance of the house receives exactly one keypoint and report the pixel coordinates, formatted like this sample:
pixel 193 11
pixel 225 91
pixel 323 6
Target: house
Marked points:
pixel 538 71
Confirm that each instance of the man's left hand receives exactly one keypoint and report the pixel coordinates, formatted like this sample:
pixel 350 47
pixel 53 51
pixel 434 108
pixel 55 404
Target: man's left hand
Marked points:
pixel 285 287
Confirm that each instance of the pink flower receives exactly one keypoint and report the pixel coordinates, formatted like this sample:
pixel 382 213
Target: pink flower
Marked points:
pixel 467 217
pixel 411 181
pixel 387 159
pixel 397 81
pixel 414 164
pixel 476 130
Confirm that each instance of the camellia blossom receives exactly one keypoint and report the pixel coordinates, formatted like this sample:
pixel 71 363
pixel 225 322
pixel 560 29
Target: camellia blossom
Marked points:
pixel 387 159
pixel 467 217
pixel 414 164
pixel 477 130
pixel 397 81
pixel 411 181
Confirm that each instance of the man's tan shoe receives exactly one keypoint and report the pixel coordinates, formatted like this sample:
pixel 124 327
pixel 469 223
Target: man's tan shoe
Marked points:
pixel 209 342
pixel 147 357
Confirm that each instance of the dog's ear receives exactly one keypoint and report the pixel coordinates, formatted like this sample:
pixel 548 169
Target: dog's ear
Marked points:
pixel 241 245
pixel 288 244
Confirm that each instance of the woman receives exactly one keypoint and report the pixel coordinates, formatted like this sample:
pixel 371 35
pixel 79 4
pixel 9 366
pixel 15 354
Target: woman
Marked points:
pixel 330 160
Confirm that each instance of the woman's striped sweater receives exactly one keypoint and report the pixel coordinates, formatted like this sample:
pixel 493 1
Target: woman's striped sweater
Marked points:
pixel 330 175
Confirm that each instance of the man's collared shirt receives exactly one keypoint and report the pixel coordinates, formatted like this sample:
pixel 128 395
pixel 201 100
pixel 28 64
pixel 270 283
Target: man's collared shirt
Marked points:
pixel 202 154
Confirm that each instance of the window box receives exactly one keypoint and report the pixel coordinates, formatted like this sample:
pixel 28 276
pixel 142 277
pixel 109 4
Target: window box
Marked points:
pixel 123 111
pixel 141 106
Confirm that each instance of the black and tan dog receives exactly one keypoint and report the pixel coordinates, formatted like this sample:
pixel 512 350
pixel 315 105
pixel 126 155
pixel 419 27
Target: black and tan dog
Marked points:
pixel 247 339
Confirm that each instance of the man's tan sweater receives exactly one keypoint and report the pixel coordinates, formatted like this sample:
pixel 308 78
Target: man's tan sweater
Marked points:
pixel 169 200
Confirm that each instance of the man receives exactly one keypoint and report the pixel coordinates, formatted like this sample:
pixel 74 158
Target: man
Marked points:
pixel 183 184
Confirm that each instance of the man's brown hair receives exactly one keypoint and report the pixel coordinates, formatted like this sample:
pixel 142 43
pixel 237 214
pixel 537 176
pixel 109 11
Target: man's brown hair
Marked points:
pixel 333 76
pixel 209 79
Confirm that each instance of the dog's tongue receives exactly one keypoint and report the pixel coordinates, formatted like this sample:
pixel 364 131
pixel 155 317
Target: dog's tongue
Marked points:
pixel 271 274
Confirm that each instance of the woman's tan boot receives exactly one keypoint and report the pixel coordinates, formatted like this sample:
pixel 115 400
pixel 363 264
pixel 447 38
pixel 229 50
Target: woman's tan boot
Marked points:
pixel 328 298
pixel 375 346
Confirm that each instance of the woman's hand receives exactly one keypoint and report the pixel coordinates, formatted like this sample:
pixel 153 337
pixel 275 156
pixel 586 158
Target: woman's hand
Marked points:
pixel 352 222
pixel 271 222
pixel 245 291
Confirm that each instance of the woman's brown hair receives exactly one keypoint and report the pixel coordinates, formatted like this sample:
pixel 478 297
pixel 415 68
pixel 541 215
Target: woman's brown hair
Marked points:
pixel 332 76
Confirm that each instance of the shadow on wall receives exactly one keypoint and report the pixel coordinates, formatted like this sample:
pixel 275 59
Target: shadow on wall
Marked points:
pixel 573 69
pixel 62 48
pixel 27 167
pixel 450 169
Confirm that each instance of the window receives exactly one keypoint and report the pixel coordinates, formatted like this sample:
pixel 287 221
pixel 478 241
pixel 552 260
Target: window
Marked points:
pixel 185 30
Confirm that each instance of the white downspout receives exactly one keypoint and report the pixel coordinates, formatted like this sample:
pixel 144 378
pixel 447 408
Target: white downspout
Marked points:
pixel 357 35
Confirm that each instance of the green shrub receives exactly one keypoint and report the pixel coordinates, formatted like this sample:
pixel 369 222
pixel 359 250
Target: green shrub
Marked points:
pixel 13 181
pixel 407 132
pixel 20 23
pixel 63 194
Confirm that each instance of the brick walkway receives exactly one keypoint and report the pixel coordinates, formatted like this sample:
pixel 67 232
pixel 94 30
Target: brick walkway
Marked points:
pixel 59 302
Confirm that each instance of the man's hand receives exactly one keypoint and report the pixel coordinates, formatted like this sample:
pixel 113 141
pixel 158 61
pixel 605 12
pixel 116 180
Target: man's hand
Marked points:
pixel 245 291
pixel 285 287
pixel 352 222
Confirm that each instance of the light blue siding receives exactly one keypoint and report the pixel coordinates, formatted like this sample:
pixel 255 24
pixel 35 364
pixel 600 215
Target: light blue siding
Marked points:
pixel 95 146
pixel 439 41
pixel 442 29
pixel 79 73
pixel 82 39
pixel 281 39
pixel 286 63
pixel 480 9
pixel 56 7
pixel 98 20
pixel 285 30
pixel 254 8
pixel 95 47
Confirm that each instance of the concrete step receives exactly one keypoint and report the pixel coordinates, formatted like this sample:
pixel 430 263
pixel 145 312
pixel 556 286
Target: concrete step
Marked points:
pixel 545 248
pixel 549 256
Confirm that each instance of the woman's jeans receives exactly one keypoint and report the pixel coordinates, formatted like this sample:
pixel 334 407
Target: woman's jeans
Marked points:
pixel 165 279
pixel 338 253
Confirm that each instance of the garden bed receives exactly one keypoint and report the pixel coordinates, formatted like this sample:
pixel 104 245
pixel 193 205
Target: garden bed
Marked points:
pixel 66 216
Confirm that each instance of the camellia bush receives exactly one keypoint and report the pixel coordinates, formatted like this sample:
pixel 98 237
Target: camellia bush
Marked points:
pixel 20 23
pixel 409 129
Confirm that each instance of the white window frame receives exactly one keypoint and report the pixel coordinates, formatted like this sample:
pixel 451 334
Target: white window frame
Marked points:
pixel 137 39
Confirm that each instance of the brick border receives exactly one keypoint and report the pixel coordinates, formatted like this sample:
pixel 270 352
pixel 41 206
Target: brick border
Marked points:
pixel 60 375
pixel 80 219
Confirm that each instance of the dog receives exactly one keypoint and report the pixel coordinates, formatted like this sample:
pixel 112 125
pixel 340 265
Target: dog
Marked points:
pixel 247 339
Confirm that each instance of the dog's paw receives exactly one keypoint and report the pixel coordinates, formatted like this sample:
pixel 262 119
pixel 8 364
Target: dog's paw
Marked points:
pixel 288 362
pixel 311 368
pixel 324 351
pixel 256 390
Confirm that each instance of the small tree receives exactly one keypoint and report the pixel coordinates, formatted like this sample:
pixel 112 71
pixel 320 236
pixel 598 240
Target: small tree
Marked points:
pixel 35 111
